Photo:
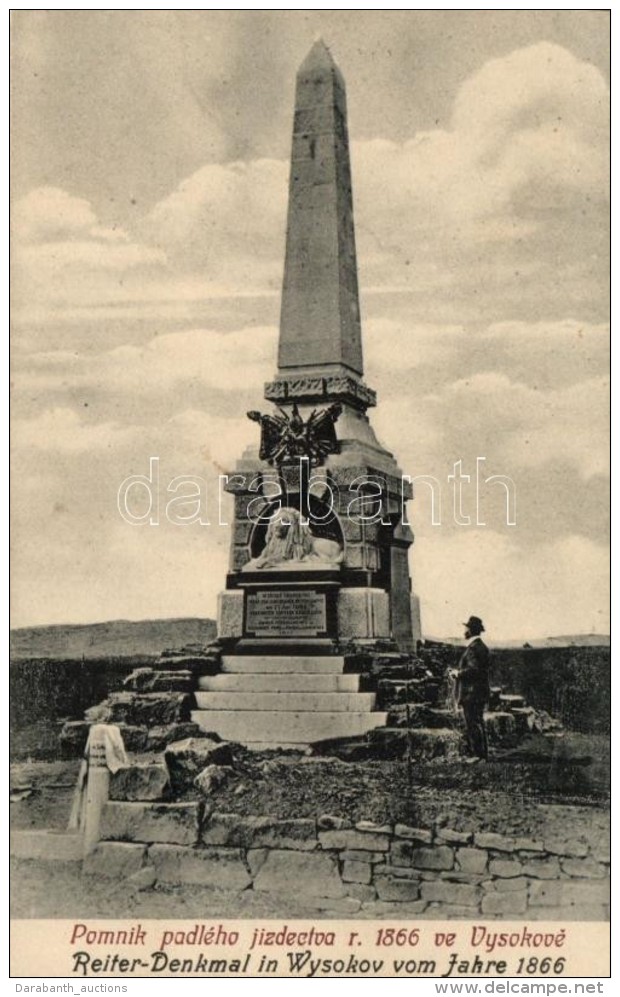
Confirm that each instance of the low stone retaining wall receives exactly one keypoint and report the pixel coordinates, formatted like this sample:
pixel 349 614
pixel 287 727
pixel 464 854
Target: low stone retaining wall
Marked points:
pixel 369 869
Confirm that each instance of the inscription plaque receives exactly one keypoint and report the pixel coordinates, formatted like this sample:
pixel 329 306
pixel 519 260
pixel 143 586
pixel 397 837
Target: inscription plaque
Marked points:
pixel 295 613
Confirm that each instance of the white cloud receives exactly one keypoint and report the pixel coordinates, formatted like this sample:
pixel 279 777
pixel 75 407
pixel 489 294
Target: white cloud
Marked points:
pixel 63 257
pixel 61 430
pixel 226 221
pixel 206 358
pixel 534 118
pixel 48 214
pixel 485 573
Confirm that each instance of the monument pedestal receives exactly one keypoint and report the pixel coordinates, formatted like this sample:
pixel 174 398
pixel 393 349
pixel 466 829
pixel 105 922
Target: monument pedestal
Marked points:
pixel 277 611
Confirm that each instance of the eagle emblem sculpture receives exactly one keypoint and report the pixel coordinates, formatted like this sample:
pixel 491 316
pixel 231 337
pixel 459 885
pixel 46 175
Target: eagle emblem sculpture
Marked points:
pixel 285 438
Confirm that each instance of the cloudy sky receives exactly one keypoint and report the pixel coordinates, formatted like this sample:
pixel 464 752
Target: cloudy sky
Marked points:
pixel 150 165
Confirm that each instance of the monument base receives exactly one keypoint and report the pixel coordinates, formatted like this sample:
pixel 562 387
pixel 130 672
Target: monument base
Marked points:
pixel 301 610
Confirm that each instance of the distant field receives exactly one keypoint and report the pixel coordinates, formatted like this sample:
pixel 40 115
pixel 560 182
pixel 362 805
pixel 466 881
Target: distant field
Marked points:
pixel 118 638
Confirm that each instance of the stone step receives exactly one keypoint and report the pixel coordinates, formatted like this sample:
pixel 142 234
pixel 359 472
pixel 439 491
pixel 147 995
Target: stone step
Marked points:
pixel 425 744
pixel 296 728
pixel 274 746
pixel 304 702
pixel 278 682
pixel 509 702
pixel 284 664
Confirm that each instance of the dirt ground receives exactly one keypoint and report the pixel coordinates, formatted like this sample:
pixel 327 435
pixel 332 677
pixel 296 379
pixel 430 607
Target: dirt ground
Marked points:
pixel 499 796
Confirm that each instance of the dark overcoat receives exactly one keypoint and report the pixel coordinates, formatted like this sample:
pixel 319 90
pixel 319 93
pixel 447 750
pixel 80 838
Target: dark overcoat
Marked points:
pixel 473 674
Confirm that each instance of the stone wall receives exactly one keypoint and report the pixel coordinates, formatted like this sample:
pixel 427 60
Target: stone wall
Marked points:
pixel 363 870
pixel 571 683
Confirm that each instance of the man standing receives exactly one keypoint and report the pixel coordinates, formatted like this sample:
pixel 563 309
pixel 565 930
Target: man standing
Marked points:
pixel 472 688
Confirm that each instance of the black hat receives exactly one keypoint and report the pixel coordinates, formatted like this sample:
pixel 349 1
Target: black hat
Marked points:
pixel 475 623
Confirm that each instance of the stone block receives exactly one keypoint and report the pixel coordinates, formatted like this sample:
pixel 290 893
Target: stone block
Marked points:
pixel 142 781
pixel 424 837
pixel 114 859
pixel 453 893
pixel 306 874
pixel 237 484
pixel 212 778
pixel 361 892
pixel 498 842
pixel 150 709
pixel 143 879
pixel 356 872
pixel 429 743
pixel 232 830
pixel 545 893
pixel 134 738
pixel 571 847
pixel 357 557
pixel 507 885
pixel 440 857
pixel 585 894
pixel 387 908
pixel 329 822
pixel 362 840
pixel 505 868
pixel 221 867
pixel 158 738
pixel 601 852
pixel 357 855
pixel 528 845
pixel 599 846
pixel 400 872
pixel 501 728
pixel 398 890
pixel 242 502
pixel 504 903
pixel 260 832
pixel 583 868
pixel 585 913
pixel 152 680
pixel 188 758
pixel 230 614
pixel 444 912
pixel 369 826
pixel 351 529
pixel 242 531
pixel 175 823
pixel 239 557
pixel 452 876
pixel 472 860
pixel 401 852
pixel 363 612
pixel 450 837
pixel 334 905
pixel 542 868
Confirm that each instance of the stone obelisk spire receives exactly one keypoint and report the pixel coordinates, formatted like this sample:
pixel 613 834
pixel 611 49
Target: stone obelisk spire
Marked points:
pixel 320 331
pixel 320 322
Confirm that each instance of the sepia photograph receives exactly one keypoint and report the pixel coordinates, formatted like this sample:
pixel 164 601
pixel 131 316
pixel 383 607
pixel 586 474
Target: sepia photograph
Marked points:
pixel 310 493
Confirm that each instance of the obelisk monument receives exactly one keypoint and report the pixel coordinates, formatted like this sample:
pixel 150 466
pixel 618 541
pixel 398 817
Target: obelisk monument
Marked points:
pixel 320 538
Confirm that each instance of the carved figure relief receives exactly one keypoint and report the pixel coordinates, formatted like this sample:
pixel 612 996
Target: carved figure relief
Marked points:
pixel 289 543
pixel 284 438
